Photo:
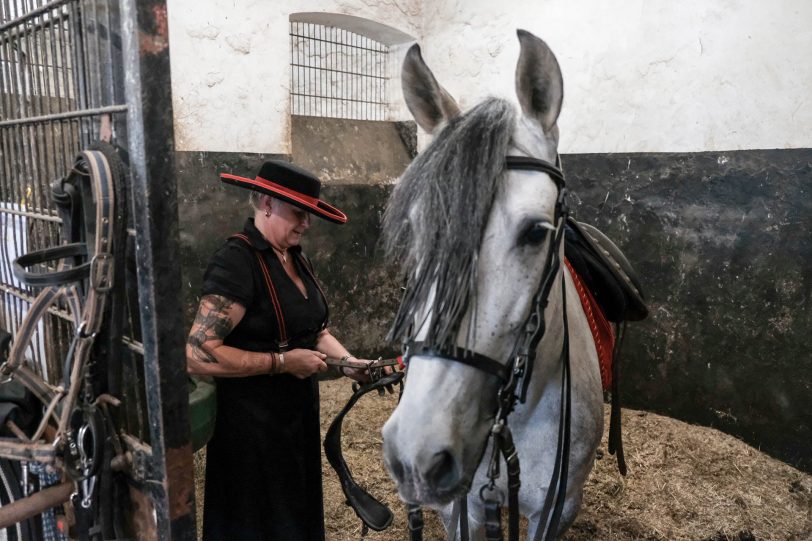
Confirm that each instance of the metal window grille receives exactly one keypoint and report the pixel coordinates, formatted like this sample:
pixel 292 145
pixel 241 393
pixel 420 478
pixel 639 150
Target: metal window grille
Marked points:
pixel 58 86
pixel 337 73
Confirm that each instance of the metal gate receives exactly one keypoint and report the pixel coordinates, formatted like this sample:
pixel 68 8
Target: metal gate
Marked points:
pixel 72 73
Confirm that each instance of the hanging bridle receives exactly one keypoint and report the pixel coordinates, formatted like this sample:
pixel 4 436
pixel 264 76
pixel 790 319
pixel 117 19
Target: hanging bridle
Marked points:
pixel 515 376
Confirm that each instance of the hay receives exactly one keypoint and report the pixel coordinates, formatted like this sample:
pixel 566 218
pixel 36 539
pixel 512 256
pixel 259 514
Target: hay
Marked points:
pixel 685 483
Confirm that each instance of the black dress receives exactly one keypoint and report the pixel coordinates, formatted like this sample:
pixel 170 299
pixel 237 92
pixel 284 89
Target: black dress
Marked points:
pixel 263 464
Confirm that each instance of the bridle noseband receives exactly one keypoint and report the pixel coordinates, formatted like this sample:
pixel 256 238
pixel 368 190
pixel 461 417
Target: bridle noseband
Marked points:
pixel 515 376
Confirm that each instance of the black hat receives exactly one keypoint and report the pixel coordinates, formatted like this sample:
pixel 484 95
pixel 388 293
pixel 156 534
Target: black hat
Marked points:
pixel 289 183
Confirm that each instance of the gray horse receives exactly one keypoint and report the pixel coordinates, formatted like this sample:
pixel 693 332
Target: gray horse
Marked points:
pixel 473 238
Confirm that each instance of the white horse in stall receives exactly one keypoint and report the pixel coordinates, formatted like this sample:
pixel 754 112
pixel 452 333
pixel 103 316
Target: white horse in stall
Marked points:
pixel 474 237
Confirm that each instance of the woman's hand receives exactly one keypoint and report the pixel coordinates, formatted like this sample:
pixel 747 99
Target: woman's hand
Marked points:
pixel 303 363
pixel 362 374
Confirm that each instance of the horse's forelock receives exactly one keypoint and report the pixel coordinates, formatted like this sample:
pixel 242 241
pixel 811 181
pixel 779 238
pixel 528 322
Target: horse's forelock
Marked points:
pixel 438 212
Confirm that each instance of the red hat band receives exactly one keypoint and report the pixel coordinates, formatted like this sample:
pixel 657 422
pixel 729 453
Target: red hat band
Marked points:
pixel 295 186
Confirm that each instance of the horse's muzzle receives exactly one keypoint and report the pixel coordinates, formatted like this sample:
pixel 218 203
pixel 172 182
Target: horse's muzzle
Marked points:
pixel 431 477
pixel 434 439
pixel 434 478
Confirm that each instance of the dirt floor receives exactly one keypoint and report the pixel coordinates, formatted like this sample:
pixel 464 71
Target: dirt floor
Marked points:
pixel 684 483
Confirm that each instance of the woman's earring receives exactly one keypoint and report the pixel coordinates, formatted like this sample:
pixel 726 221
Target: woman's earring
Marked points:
pixel 267 213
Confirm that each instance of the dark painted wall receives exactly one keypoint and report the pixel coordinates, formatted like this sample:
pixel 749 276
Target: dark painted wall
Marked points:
pixel 721 241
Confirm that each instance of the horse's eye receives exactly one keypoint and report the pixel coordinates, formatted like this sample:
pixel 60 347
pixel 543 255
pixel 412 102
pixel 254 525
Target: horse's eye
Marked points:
pixel 535 233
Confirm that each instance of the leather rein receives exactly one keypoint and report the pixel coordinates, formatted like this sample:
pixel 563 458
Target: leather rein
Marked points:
pixel 515 377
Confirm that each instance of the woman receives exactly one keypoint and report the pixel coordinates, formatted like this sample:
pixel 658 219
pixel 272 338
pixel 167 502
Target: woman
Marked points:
pixel 261 330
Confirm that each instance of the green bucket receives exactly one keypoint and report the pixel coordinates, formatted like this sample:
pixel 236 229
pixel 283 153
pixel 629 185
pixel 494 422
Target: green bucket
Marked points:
pixel 202 409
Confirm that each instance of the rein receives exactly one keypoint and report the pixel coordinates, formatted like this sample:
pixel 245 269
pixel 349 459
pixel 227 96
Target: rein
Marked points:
pixel 373 513
pixel 515 376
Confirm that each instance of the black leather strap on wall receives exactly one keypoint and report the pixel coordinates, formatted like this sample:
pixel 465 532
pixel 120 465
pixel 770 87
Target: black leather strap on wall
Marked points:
pixel 55 278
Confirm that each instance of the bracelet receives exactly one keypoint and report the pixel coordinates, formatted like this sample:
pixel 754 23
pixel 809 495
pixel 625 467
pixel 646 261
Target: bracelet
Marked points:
pixel 272 370
pixel 281 363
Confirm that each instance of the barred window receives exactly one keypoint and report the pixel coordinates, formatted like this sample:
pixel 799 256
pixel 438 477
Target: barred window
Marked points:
pixel 337 73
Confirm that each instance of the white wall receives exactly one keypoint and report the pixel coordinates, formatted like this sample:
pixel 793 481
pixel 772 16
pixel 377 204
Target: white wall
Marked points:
pixel 643 75
pixel 230 64
pixel 640 75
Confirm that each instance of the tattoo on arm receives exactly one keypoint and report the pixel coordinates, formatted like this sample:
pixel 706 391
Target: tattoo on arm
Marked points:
pixel 212 323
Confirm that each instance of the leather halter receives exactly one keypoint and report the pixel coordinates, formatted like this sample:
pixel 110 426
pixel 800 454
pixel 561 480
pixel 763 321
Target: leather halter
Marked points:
pixel 518 369
pixel 84 273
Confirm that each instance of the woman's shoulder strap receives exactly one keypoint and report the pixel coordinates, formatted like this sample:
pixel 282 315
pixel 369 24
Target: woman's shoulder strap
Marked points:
pixel 243 237
pixel 266 276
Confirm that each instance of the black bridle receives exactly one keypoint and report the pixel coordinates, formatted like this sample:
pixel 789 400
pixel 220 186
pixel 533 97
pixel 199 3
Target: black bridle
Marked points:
pixel 515 376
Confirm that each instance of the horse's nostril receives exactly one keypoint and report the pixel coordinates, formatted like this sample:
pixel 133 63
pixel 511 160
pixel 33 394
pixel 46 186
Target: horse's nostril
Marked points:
pixel 396 469
pixel 443 473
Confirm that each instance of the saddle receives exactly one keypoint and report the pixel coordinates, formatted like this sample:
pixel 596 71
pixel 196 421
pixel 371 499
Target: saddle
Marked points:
pixel 606 272
pixel 614 284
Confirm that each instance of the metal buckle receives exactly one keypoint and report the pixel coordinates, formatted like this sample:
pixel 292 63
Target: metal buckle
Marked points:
pixel 492 488
pixel 6 373
pixel 88 481
pixel 80 331
pixel 101 266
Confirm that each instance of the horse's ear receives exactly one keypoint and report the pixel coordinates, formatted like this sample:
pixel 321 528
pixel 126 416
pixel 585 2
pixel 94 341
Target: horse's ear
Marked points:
pixel 539 85
pixel 429 102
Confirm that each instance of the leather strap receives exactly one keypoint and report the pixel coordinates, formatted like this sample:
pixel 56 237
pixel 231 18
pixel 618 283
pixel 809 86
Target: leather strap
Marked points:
pixel 48 255
pixel 615 428
pixel 464 533
pixel 514 482
pixel 557 489
pixel 266 275
pixel 84 275
pixel 527 163
pixel 415 523
pixel 100 190
pixel 88 312
pixel 493 521
pixel 374 514
pixel 83 518
pixel 463 356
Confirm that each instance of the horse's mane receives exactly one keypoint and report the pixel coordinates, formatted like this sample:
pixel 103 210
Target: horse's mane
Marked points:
pixel 436 216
